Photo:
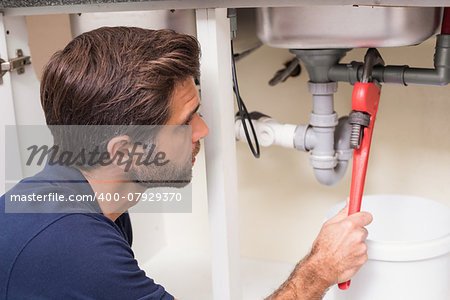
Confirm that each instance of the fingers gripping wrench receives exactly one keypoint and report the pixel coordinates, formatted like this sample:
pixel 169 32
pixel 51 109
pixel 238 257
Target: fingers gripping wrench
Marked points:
pixel 365 98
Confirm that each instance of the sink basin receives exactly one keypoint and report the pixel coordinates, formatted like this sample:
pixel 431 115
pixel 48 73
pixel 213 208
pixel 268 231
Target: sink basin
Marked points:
pixel 321 27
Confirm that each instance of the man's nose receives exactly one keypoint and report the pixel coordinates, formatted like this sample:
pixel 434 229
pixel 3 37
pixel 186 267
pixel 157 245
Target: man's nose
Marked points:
pixel 199 128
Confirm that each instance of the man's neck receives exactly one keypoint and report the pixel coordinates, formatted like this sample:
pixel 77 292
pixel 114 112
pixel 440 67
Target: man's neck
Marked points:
pixel 112 191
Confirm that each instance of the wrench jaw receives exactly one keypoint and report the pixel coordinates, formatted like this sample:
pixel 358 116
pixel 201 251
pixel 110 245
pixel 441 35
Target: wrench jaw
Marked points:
pixel 371 59
pixel 359 120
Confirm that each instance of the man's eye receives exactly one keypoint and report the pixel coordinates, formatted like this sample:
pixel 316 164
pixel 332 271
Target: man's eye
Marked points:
pixel 200 115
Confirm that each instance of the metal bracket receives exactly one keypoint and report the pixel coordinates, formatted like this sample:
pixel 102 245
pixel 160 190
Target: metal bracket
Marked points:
pixel 15 64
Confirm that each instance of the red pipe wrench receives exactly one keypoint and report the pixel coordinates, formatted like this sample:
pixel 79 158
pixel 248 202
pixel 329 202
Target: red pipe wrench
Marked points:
pixel 365 99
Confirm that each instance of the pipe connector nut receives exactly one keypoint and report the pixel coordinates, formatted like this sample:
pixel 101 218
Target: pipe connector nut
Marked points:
pixel 326 88
pixel 300 137
pixel 323 162
pixel 317 120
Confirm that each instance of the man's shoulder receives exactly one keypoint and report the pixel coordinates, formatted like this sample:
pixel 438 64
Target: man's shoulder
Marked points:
pixel 79 250
pixel 38 242
pixel 23 220
pixel 80 256
pixel 44 230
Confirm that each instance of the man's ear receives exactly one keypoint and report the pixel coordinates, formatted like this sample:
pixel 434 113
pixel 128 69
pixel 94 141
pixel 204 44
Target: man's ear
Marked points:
pixel 118 149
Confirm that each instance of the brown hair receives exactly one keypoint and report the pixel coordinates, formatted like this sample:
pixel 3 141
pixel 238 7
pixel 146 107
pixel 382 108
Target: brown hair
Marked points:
pixel 117 76
pixel 114 76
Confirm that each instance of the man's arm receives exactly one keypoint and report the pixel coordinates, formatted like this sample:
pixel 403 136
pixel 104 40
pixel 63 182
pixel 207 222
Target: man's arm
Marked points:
pixel 337 254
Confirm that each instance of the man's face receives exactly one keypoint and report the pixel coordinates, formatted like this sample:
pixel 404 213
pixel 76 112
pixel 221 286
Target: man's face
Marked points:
pixel 183 111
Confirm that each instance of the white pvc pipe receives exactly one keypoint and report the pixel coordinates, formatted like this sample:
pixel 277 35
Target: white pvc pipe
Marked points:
pixel 268 131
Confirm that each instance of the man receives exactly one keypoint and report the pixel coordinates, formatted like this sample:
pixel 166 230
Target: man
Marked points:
pixel 127 76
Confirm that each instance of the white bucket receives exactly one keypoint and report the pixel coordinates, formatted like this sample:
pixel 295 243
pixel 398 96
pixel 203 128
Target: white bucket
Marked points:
pixel 408 250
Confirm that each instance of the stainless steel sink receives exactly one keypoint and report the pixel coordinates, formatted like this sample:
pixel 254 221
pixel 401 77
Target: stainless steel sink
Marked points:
pixel 319 27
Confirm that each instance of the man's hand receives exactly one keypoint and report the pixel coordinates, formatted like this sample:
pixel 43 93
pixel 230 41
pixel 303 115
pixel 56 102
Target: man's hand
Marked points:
pixel 340 250
pixel 337 254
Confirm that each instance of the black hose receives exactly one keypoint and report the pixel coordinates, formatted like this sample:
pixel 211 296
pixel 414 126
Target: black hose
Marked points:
pixel 243 113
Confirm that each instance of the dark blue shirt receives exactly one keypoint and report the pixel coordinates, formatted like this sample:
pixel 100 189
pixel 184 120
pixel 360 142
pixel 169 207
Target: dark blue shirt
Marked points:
pixel 61 255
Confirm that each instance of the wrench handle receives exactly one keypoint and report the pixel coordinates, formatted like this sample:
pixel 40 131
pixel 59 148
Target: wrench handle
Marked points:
pixel 344 285
pixel 365 98
pixel 360 159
